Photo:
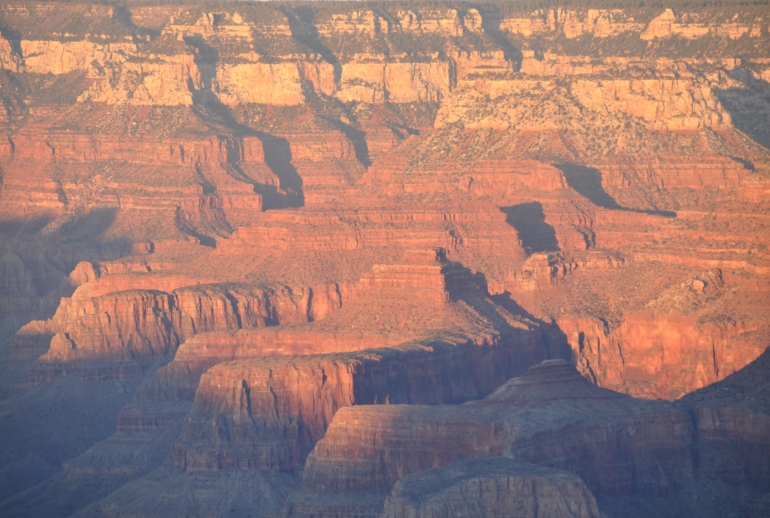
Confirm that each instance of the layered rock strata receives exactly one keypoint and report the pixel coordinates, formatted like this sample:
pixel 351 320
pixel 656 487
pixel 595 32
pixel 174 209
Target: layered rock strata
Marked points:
pixel 546 411
pixel 270 413
pixel 101 324
pixel 502 424
pixel 286 395
pixel 490 487
pixel 229 200
pixel 732 421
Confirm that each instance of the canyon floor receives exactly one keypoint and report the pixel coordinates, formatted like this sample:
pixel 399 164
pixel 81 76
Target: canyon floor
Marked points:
pixel 384 259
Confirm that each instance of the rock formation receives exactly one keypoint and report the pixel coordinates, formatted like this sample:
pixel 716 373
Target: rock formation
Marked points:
pixel 490 487
pixel 387 448
pixel 271 229
pixel 550 416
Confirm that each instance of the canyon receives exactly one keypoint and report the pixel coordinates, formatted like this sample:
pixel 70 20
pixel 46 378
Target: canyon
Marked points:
pixel 403 259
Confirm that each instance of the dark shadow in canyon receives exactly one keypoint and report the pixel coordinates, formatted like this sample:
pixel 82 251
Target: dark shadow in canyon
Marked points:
pixel 278 158
pixel 68 239
pixel 588 182
pixel 303 29
pixel 14 92
pixel 335 113
pixel 402 131
pixel 490 22
pixel 92 224
pixel 188 228
pixel 357 138
pixel 14 38
pixel 51 423
pixel 78 235
pixel 22 227
pixel 277 150
pixel 206 58
pixel 44 251
pixel 472 289
pixel 529 221
pixel 81 236
pixel 123 16
pixel 554 339
pixel 745 163
pixel 749 107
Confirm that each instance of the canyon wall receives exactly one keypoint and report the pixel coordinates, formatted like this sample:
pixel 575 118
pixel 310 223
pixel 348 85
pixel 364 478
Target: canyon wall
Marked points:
pixel 373 448
pixel 303 235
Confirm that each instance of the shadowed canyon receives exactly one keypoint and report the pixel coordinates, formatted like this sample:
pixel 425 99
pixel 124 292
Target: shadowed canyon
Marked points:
pixel 384 259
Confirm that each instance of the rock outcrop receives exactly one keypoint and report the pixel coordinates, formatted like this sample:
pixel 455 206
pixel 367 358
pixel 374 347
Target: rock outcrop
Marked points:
pixel 287 393
pixel 490 487
pixel 608 23
pixel 539 417
pixel 284 228
pixel 269 413
pixel 118 319
pixel 350 456
pixel 731 420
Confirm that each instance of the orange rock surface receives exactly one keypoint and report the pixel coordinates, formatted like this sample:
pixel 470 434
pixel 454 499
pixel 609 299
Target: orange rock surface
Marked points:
pixel 372 448
pixel 283 228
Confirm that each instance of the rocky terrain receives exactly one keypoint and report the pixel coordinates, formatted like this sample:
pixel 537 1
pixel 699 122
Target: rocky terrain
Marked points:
pixel 387 259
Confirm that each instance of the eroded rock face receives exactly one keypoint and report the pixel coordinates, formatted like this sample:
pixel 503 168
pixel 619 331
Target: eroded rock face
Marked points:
pixel 141 324
pixel 550 416
pixel 607 23
pixel 287 404
pixel 670 104
pixel 273 217
pixel 600 23
pixel 129 324
pixel 627 436
pixel 287 393
pixel 490 487
pixel 732 420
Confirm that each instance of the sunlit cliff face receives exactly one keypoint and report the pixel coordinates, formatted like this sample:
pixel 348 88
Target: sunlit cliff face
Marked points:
pixel 331 259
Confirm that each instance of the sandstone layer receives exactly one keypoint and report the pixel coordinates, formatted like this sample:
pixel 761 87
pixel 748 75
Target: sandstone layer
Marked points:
pixel 490 487
pixel 550 416
pixel 628 435
pixel 268 229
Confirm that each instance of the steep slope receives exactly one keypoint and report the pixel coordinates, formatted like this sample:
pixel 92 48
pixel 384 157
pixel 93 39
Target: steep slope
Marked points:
pixel 251 219
pixel 626 450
